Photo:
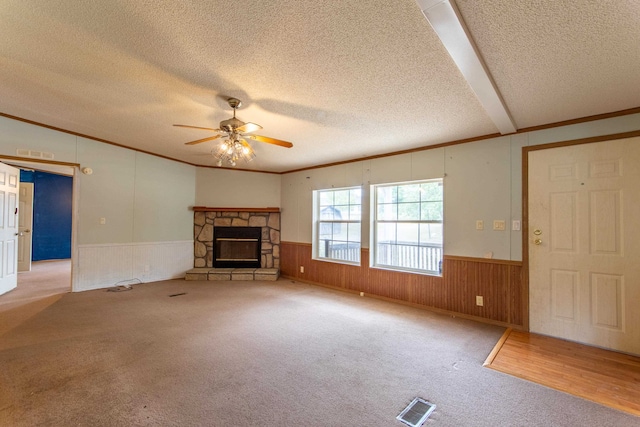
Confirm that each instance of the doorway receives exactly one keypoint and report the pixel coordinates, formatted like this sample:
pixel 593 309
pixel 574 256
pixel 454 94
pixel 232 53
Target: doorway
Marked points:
pixel 52 270
pixel 583 202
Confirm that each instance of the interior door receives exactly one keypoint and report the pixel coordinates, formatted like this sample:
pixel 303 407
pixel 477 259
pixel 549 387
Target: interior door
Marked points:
pixel 25 225
pixel 584 208
pixel 9 181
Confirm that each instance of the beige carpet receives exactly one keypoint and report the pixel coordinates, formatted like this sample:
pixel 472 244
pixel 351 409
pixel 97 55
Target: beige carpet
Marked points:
pixel 262 354
pixel 37 289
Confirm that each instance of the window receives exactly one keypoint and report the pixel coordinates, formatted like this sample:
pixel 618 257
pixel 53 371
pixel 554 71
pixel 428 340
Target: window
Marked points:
pixel 407 226
pixel 337 214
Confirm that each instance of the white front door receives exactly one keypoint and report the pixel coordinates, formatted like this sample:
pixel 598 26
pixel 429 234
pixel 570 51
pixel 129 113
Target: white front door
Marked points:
pixel 9 181
pixel 584 243
pixel 25 225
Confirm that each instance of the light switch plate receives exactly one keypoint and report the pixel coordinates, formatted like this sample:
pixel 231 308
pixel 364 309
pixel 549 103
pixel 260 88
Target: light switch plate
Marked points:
pixel 479 224
pixel 498 224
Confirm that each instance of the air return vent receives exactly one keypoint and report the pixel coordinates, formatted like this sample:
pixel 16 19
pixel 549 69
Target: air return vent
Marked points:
pixel 36 154
pixel 416 413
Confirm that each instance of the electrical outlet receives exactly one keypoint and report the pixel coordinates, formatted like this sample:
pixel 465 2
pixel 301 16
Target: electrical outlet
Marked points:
pixel 301 269
pixel 479 224
pixel 479 300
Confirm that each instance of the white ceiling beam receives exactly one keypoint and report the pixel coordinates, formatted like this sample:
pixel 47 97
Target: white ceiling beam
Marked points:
pixel 445 18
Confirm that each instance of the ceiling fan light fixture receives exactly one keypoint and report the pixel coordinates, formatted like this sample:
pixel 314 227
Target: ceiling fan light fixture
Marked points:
pixel 232 150
pixel 234 147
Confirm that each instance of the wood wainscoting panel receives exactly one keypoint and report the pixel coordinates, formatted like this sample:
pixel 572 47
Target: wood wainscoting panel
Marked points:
pixel 499 282
pixel 516 293
pixel 289 265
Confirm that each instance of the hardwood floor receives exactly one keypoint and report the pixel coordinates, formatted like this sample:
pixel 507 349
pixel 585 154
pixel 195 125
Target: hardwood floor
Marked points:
pixel 606 377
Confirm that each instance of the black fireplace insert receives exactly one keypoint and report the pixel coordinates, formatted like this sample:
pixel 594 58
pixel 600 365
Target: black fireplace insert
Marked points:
pixel 237 247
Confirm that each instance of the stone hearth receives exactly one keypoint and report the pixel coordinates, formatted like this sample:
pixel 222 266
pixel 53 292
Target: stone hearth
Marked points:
pixel 233 274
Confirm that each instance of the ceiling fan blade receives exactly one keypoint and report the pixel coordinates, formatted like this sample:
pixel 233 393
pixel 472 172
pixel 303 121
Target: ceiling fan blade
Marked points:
pixel 248 128
pixel 199 141
pixel 270 140
pixel 197 127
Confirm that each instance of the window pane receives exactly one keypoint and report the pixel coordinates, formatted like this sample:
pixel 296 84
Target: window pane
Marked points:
pixel 431 211
pixel 409 193
pixel 387 212
pixel 325 230
pixel 386 233
pixel 408 211
pixel 341 197
pixel 387 194
pixel 431 191
pixel 322 248
pixel 341 212
pixel 326 198
pixel 435 233
pixel 430 234
pixel 353 232
pixel 408 234
pixel 342 250
pixel 330 213
pixel 355 213
pixel 339 231
pixel 355 196
pixel 386 253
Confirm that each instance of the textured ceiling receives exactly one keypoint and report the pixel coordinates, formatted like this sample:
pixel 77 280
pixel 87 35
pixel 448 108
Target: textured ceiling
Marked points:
pixel 340 79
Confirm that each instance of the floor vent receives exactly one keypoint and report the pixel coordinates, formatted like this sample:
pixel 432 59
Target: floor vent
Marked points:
pixel 416 413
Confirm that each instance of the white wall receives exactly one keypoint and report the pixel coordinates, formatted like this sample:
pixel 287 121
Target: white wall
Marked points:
pixel 224 188
pixel 164 194
pixel 107 193
pixel 483 181
pixel 145 201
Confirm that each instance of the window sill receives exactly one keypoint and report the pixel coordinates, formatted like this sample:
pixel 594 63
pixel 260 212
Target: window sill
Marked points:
pixel 337 261
pixel 407 270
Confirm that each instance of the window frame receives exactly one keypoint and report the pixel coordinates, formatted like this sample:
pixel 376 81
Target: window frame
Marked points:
pixel 375 221
pixel 318 221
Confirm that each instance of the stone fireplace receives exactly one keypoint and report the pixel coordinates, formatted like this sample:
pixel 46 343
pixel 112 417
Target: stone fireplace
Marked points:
pixel 206 220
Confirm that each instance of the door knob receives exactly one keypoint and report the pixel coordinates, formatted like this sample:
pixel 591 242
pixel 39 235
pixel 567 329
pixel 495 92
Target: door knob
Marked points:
pixel 27 231
pixel 537 242
pixel 20 234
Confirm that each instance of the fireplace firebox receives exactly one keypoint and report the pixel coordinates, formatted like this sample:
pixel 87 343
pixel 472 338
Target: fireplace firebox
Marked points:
pixel 237 247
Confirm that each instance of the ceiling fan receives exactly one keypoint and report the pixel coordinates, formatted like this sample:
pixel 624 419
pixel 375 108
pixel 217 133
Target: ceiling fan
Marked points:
pixel 235 131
